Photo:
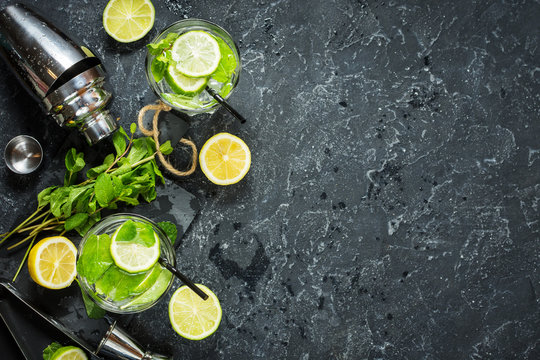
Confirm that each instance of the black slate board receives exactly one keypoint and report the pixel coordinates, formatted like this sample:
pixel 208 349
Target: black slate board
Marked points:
pixel 173 203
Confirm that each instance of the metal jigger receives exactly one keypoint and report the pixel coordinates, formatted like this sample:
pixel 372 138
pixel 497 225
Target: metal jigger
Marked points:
pixel 120 345
pixel 65 78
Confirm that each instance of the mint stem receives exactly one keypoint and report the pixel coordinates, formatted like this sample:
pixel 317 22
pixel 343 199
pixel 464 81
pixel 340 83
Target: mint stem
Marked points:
pixel 24 258
pixel 22 224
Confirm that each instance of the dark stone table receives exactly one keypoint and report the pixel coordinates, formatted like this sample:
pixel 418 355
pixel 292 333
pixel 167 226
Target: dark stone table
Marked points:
pixel 392 206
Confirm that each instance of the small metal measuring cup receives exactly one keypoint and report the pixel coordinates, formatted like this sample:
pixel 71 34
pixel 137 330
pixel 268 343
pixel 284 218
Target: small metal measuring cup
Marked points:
pixel 118 344
pixel 23 154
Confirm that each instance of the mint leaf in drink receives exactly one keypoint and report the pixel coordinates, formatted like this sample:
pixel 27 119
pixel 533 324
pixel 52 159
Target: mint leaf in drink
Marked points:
pixel 75 221
pixel 96 257
pixel 158 69
pixel 104 189
pixel 49 351
pixel 119 143
pixel 160 46
pixel 227 64
pixel 119 285
pixel 127 232
pixel 169 229
pixel 92 310
pixel 145 235
pixel 166 148
pixel 136 232
pixel 181 101
pixel 225 90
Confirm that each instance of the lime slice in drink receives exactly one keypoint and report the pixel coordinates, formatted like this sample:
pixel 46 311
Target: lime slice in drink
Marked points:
pixel 196 54
pixel 181 101
pixel 69 353
pixel 135 247
pixel 184 85
pixel 154 292
pixel 128 20
pixel 192 317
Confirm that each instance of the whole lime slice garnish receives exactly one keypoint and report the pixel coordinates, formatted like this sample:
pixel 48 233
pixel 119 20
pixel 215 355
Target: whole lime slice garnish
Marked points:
pixel 192 317
pixel 128 20
pixel 135 247
pixel 196 54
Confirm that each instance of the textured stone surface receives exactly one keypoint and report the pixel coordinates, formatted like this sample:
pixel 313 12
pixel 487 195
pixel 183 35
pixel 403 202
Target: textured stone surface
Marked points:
pixel 392 207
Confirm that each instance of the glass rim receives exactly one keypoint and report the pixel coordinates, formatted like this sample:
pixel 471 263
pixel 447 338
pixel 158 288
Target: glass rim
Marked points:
pixel 152 83
pixel 106 305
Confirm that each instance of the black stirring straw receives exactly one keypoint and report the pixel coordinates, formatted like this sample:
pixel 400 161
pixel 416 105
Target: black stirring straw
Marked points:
pixel 182 278
pixel 225 104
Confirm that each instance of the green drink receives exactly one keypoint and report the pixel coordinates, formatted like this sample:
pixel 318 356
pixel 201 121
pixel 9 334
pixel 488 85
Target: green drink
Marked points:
pixel 118 263
pixel 186 58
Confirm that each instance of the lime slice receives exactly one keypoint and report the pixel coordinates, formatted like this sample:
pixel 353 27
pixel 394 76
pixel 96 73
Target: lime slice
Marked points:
pixel 128 20
pixel 69 353
pixel 182 84
pixel 196 54
pixel 135 247
pixel 154 292
pixel 192 317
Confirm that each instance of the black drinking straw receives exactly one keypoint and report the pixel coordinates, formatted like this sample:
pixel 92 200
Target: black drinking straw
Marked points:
pixel 225 104
pixel 182 278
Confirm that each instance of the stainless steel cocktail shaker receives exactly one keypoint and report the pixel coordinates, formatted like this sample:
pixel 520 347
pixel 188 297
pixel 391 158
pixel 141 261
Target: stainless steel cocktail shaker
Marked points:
pixel 66 78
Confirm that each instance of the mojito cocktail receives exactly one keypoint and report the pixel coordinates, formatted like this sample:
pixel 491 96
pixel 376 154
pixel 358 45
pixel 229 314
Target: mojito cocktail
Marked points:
pixel 186 58
pixel 118 264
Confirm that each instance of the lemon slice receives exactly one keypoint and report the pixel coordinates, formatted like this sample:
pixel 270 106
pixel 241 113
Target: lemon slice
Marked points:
pixel 128 20
pixel 69 353
pixel 135 247
pixel 192 317
pixel 196 54
pixel 52 262
pixel 225 159
pixel 182 84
